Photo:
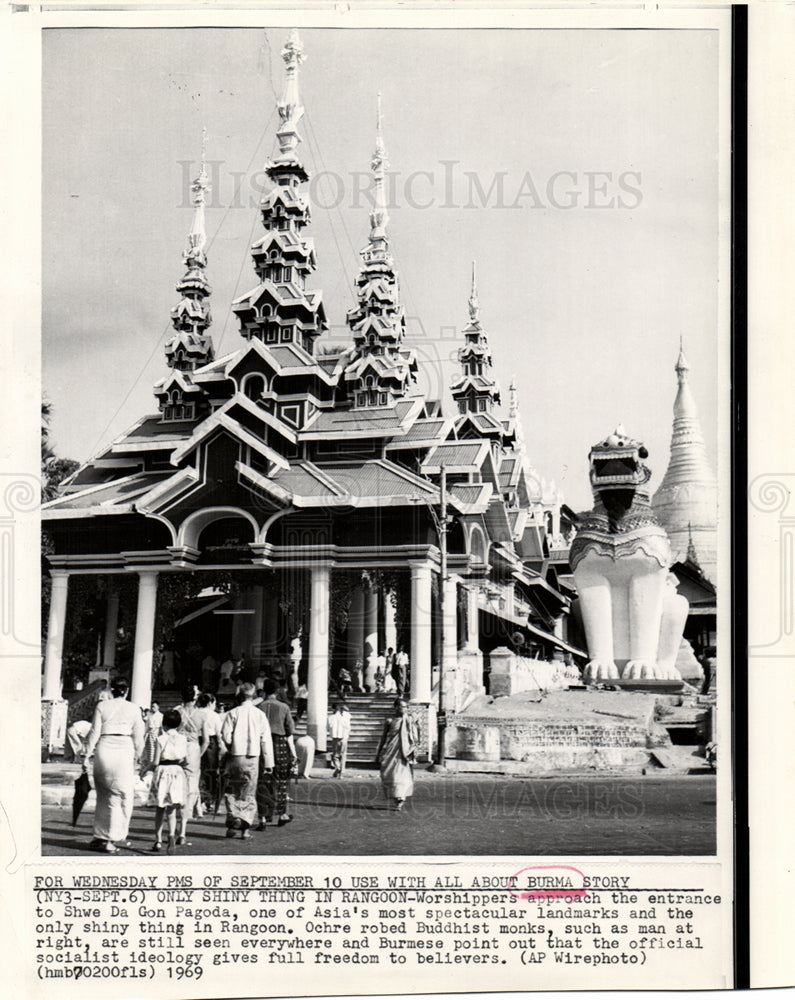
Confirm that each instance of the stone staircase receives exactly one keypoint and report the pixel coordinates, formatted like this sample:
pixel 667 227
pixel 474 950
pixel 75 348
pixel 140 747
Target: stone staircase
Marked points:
pixel 369 712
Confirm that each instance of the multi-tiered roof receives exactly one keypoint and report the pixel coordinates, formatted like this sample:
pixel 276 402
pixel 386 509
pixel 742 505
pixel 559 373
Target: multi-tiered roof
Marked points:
pixel 287 425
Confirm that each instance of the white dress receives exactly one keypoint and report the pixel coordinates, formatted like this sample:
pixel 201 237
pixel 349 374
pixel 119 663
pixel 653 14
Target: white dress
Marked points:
pixel 169 784
pixel 117 734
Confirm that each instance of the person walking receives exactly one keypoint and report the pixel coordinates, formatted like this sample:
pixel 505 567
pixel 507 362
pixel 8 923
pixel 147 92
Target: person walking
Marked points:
pixel 395 755
pixel 380 672
pixel 192 728
pixel 272 787
pixel 402 670
pixel 246 736
pixel 153 722
pixel 211 754
pixel 167 792
pixel 339 730
pixel 301 701
pixel 117 735
pixel 76 736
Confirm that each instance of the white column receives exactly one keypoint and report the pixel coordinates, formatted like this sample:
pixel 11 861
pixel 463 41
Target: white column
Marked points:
pixel 111 626
pixel 51 689
pixel 449 640
pixel 141 687
pixel 370 635
pixel 420 661
pixel 317 681
pixel 473 619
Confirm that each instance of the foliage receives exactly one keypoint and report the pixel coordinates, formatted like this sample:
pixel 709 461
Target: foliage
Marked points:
pixel 53 472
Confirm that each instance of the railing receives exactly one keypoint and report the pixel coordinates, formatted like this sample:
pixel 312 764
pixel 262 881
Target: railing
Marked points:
pixel 82 703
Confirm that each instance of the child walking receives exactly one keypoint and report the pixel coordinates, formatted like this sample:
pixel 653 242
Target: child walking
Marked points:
pixel 169 787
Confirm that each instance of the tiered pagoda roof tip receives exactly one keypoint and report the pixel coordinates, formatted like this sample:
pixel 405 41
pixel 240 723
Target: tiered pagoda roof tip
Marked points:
pixel 280 309
pixel 381 369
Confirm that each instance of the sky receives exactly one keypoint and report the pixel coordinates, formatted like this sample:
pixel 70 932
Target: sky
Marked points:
pixel 579 168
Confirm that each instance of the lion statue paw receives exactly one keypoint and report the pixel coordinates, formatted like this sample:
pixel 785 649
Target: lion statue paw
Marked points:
pixel 597 671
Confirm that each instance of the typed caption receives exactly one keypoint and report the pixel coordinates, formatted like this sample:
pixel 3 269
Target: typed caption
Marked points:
pixel 175 926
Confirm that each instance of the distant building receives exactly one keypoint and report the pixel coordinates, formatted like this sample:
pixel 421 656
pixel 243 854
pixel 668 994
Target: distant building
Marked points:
pixel 291 490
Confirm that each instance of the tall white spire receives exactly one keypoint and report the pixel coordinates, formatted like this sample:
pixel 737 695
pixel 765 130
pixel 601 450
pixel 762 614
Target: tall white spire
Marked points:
pixel 379 217
pixel 197 237
pixel 474 304
pixel 290 108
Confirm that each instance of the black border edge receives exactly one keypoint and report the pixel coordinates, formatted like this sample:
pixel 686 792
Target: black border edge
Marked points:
pixel 739 464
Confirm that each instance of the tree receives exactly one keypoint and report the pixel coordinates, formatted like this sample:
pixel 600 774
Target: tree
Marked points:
pixel 53 469
pixel 53 472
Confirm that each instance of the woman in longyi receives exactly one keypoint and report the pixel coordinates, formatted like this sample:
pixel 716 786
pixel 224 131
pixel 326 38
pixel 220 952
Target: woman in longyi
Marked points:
pixel 117 735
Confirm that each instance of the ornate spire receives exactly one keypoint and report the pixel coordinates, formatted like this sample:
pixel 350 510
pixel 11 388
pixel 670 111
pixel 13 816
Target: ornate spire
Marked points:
pixel 381 369
pixel 686 501
pixel 290 109
pixel 192 346
pixel 379 217
pixel 474 304
pixel 475 390
pixel 280 310
pixel 197 238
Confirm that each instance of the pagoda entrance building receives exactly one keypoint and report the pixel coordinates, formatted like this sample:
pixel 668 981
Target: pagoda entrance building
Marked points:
pixel 286 500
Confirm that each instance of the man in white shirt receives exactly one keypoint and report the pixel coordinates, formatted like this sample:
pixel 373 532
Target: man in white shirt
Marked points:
pixel 246 734
pixel 402 669
pixel 339 729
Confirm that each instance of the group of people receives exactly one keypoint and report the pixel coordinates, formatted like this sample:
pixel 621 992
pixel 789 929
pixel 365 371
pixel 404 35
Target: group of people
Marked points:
pixel 194 754
pixel 389 670
pixel 182 748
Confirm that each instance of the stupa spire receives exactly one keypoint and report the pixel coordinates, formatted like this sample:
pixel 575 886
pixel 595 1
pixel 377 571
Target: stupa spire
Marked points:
pixel 686 501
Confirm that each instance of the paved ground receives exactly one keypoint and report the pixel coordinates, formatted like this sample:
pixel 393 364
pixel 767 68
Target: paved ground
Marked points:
pixel 451 815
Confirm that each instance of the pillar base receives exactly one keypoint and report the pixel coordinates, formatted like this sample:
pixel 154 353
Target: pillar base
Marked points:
pixel 54 714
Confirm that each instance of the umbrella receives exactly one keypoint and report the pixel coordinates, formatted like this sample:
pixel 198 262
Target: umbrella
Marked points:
pixel 82 788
